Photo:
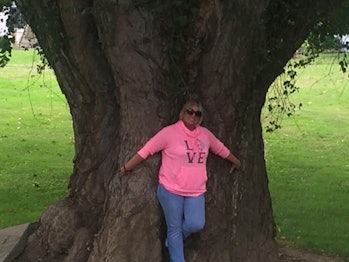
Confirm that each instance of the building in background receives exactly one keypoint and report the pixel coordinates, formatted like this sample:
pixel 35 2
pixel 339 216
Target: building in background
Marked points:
pixel 13 25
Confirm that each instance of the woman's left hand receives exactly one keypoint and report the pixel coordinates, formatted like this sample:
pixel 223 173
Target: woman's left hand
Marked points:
pixel 236 164
pixel 123 171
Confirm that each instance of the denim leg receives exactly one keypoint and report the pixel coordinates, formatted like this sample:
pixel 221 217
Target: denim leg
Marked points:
pixel 194 215
pixel 172 206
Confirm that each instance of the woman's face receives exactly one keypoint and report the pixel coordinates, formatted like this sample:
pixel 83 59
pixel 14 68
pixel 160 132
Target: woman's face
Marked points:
pixel 191 117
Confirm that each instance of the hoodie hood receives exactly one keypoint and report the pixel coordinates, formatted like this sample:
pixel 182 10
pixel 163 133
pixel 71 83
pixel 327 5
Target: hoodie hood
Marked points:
pixel 191 133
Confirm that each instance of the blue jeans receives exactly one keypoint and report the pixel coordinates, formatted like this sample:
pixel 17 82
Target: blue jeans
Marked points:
pixel 184 215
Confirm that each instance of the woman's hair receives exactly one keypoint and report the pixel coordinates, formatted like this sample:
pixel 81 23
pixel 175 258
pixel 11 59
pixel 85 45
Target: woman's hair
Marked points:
pixel 189 104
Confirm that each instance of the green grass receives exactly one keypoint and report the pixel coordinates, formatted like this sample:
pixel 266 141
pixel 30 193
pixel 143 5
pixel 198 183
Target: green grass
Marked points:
pixel 307 159
pixel 308 163
pixel 36 140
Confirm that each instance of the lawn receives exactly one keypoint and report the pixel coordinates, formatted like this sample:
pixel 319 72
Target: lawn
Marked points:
pixel 36 140
pixel 307 162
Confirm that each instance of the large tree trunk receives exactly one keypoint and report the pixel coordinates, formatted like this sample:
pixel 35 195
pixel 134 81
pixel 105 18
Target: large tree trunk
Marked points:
pixel 117 64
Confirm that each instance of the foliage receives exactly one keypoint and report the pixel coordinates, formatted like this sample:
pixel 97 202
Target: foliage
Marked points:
pixel 5 50
pixel 176 25
pixel 6 41
pixel 324 37
pixel 336 25
pixel 44 64
pixel 278 99
pixel 16 20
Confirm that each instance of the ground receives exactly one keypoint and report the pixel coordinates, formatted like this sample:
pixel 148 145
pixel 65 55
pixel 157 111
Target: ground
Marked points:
pixel 291 254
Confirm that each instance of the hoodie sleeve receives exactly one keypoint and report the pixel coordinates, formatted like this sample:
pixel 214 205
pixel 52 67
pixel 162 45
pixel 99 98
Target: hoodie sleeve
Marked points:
pixel 155 144
pixel 216 146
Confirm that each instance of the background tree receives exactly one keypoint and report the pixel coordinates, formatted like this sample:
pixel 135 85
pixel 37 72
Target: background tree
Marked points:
pixel 125 68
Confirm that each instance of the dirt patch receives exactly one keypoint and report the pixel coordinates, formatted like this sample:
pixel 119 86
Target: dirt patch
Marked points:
pixel 291 254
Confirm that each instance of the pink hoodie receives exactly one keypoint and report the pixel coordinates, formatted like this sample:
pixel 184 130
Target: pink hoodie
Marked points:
pixel 184 155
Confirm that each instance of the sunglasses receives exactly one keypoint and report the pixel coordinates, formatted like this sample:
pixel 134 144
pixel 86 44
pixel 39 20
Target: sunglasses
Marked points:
pixel 192 112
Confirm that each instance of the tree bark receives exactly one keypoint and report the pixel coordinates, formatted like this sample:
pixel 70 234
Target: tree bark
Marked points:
pixel 117 64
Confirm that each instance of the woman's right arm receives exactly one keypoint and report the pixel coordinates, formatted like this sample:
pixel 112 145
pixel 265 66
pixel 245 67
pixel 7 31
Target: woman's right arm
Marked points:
pixel 130 164
pixel 155 144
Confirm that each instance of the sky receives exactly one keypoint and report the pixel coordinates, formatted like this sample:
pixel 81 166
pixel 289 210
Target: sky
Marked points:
pixel 3 27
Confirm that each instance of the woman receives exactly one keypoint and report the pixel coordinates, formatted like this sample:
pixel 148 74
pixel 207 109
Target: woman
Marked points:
pixel 182 176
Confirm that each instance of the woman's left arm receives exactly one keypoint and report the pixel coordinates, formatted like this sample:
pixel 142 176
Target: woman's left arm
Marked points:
pixel 236 164
pixel 217 147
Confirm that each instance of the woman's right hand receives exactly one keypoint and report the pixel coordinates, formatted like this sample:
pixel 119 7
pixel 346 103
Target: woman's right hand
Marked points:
pixel 130 164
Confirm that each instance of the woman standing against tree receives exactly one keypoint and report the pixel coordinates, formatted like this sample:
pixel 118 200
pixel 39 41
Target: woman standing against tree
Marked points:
pixel 182 176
